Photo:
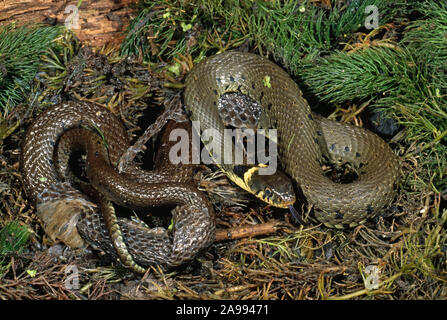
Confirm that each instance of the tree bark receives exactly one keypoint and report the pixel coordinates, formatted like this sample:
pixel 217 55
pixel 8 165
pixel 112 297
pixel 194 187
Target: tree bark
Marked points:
pixel 96 22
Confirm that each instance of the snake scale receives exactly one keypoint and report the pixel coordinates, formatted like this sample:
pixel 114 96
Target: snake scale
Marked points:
pixel 304 140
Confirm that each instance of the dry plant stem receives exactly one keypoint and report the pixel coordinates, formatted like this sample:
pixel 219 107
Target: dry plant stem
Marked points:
pixel 368 292
pixel 247 231
pixel 419 149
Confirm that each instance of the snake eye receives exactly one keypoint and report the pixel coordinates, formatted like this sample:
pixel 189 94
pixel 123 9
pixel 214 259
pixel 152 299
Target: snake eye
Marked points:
pixel 268 193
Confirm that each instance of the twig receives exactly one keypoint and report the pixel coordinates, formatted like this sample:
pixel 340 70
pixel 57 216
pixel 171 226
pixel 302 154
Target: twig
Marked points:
pixel 247 231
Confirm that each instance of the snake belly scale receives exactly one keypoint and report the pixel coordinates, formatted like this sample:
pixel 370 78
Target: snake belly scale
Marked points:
pixel 304 138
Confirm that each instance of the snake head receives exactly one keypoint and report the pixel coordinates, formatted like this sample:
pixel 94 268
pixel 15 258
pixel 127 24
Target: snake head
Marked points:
pixel 276 189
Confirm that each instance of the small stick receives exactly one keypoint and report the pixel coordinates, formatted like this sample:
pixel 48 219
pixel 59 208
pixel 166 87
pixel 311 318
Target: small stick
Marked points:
pixel 246 231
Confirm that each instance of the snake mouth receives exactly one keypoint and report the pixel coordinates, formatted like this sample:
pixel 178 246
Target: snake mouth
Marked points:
pixel 283 204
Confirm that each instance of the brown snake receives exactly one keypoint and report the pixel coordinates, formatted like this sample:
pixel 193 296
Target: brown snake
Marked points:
pixel 72 123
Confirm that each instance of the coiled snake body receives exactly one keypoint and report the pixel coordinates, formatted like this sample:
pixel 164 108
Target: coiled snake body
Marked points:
pixel 303 140
pixel 303 137
pixel 70 126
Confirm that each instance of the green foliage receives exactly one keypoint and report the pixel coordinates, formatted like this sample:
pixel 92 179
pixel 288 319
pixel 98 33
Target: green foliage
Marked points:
pixel 298 32
pixel 20 51
pixel 427 35
pixel 424 109
pixel 365 74
pixel 427 39
pixel 54 67
pixel 163 30
pixel 292 30
pixel 13 237
pixel 425 249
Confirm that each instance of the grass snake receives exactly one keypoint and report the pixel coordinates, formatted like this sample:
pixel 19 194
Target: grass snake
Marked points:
pixel 305 140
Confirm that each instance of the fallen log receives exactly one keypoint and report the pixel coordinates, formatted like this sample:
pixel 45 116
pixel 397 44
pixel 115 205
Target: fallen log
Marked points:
pixel 95 22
